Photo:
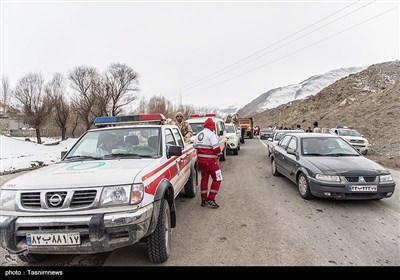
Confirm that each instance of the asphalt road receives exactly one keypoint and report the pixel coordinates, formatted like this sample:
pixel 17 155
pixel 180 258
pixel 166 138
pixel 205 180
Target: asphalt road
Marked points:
pixel 263 221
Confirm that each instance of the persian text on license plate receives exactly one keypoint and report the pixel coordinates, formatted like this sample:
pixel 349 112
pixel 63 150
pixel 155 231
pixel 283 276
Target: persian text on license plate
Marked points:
pixel 46 239
pixel 372 188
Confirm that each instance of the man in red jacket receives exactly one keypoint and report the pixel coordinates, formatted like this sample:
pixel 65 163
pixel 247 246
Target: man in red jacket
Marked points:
pixel 208 152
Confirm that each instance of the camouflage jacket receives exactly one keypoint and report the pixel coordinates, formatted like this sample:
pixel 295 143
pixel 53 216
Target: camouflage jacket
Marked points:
pixel 186 130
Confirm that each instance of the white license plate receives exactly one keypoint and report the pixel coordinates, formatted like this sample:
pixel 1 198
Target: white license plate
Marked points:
pixel 46 239
pixel 360 188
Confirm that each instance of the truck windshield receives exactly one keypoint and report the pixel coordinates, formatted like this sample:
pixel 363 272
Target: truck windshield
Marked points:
pixel 197 127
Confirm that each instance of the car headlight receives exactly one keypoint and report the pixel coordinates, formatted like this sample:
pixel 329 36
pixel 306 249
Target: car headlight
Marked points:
pixel 385 178
pixel 7 200
pixel 231 138
pixel 330 178
pixel 115 195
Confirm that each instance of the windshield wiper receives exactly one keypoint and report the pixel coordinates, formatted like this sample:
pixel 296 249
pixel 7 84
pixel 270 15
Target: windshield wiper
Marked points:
pixel 342 155
pixel 123 155
pixel 314 154
pixel 84 157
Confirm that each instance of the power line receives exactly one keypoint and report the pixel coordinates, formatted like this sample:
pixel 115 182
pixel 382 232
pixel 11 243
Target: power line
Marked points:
pixel 296 51
pixel 208 77
pixel 257 57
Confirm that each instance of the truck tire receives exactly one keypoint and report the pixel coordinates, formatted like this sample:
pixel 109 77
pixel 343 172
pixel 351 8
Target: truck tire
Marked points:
pixel 251 135
pixel 32 258
pixel 191 185
pixel 159 242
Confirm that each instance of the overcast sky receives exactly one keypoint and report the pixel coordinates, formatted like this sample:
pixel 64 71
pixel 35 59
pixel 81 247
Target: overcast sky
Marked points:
pixel 173 45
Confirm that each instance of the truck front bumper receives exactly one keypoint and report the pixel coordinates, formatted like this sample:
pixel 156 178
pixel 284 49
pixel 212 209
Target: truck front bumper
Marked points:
pixel 98 232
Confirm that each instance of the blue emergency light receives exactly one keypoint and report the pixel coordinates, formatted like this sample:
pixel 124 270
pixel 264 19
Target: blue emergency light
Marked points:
pixel 113 120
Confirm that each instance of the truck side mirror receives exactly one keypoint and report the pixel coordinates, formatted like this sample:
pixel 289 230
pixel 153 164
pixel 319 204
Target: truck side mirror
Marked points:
pixel 174 150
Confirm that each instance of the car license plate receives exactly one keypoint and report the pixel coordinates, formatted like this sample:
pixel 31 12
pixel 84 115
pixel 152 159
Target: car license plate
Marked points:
pixel 360 188
pixel 47 239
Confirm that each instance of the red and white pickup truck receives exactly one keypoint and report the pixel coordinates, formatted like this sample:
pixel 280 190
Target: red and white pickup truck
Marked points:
pixel 116 186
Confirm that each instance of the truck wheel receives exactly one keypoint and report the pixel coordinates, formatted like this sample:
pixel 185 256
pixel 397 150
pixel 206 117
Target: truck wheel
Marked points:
pixel 190 186
pixel 251 135
pixel 223 157
pixel 159 242
pixel 32 258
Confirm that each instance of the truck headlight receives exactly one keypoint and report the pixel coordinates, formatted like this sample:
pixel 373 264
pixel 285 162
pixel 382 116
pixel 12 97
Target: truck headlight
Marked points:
pixel 330 178
pixel 115 195
pixel 7 200
pixel 385 178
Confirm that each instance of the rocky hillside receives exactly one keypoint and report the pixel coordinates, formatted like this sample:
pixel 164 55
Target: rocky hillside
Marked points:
pixel 282 95
pixel 368 100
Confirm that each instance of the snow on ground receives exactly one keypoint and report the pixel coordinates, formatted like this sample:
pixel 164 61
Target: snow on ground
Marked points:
pixel 17 154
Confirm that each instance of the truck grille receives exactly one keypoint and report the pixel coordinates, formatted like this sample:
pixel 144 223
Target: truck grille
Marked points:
pixel 82 198
pixel 30 200
pixel 55 199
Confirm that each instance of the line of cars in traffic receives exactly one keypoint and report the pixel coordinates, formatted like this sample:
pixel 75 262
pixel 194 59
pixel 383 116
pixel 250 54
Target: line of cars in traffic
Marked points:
pixel 229 135
pixel 329 165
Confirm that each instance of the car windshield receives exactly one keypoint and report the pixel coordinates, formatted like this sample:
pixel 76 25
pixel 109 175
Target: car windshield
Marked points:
pixel 121 142
pixel 197 127
pixel 230 129
pixel 280 134
pixel 349 132
pixel 326 146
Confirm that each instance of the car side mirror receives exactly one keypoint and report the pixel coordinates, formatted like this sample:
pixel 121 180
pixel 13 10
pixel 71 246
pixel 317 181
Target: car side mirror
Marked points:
pixel 291 151
pixel 174 150
pixel 221 132
pixel 63 153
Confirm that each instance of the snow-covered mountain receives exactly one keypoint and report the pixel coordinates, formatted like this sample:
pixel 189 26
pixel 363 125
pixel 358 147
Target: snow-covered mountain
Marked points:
pixel 220 112
pixel 282 95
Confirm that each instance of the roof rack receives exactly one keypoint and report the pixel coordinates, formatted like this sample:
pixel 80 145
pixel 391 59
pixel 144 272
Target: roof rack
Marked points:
pixel 114 120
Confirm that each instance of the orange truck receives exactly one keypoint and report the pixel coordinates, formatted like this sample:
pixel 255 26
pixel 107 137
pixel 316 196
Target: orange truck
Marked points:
pixel 247 126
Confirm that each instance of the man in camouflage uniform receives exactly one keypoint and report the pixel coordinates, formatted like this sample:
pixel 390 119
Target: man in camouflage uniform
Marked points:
pixel 184 126
pixel 235 119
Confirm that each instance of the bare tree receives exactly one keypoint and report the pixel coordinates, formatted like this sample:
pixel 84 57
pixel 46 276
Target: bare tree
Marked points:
pixel 57 90
pixel 5 92
pixel 36 104
pixel 159 104
pixel 142 107
pixel 120 83
pixel 84 80
pixel 186 110
pixel 74 124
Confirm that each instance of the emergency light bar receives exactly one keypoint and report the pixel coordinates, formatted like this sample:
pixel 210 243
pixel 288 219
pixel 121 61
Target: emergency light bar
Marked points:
pixel 129 119
pixel 202 115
